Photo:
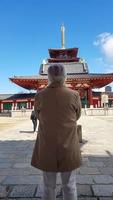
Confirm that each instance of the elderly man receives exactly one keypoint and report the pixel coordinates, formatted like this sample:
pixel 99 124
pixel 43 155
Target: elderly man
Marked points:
pixel 57 148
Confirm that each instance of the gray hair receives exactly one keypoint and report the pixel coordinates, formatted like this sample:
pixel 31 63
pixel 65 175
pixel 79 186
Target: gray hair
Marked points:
pixel 56 73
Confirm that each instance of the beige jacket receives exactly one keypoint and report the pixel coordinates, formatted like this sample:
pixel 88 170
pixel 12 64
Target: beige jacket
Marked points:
pixel 57 147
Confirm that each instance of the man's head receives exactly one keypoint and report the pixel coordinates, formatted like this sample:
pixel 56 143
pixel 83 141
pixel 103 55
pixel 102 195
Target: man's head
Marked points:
pixel 56 73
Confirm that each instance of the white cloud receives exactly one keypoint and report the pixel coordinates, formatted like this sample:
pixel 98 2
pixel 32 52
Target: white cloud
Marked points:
pixel 105 42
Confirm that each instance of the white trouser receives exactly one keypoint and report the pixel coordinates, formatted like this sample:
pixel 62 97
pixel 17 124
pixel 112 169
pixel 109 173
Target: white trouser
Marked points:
pixel 68 185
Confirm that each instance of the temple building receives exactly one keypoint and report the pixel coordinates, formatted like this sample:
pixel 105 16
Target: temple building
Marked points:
pixel 78 76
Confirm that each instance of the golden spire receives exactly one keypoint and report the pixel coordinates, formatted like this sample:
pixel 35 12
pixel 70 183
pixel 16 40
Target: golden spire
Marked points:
pixel 63 36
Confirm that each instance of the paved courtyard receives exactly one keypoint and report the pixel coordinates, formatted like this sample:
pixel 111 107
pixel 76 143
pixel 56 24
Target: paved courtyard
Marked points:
pixel 18 180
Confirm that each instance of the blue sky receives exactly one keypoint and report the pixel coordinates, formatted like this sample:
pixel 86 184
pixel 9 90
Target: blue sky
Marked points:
pixel 29 27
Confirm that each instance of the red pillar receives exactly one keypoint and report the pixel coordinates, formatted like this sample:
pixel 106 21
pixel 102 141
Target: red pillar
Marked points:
pixel 90 97
pixel 29 104
pixel 14 104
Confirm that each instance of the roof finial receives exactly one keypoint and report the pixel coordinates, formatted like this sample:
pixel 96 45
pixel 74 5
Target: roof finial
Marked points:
pixel 63 36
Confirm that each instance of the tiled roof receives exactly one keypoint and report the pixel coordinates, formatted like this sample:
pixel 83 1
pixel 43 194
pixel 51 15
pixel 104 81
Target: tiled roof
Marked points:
pixel 72 75
pixel 89 76
pixel 39 81
pixel 5 96
pixel 16 96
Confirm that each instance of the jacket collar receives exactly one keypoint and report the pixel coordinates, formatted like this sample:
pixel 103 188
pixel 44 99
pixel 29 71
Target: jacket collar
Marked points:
pixel 56 85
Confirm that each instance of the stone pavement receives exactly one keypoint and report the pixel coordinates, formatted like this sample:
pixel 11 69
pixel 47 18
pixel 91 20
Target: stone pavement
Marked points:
pixel 18 180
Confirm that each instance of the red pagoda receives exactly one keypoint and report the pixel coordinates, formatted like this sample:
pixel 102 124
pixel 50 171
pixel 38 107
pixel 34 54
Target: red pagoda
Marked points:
pixel 78 76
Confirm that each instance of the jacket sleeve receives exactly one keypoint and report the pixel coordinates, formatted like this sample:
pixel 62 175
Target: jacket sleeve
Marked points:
pixel 77 105
pixel 37 105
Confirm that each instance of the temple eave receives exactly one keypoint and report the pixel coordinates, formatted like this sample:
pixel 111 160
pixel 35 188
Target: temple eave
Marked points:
pixel 93 82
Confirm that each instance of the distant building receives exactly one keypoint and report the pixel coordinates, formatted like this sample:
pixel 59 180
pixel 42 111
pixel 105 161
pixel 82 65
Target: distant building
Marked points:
pixel 16 101
pixel 108 88
pixel 10 102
